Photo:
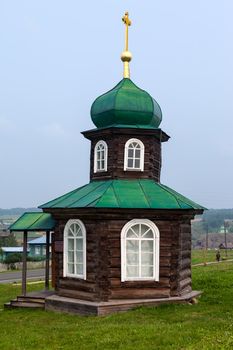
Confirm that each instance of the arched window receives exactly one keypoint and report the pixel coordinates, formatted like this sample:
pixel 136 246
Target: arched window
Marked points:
pixel 134 155
pixel 140 251
pixel 75 249
pixel 101 157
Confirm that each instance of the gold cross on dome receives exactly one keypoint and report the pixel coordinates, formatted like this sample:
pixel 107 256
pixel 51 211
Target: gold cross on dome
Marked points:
pixel 126 19
pixel 127 23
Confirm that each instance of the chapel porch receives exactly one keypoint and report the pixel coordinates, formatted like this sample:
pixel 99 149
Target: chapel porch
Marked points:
pixel 34 222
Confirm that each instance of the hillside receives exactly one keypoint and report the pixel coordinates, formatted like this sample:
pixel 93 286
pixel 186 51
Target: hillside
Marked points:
pixel 215 218
pixel 212 221
pixel 16 211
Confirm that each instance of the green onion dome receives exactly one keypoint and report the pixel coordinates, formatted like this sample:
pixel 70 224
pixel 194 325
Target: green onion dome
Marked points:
pixel 126 105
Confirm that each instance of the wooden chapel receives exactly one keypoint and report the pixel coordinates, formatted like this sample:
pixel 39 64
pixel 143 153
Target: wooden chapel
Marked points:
pixel 124 239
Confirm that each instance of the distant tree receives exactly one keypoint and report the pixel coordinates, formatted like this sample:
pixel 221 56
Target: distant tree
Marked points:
pixel 215 217
pixel 9 241
pixel 12 259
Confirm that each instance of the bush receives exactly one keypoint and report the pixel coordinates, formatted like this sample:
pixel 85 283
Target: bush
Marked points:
pixel 35 258
pixel 11 259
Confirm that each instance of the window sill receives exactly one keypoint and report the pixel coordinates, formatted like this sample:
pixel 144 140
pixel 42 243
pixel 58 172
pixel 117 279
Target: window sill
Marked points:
pixel 74 276
pixel 151 279
pixel 100 171
pixel 138 284
pixel 136 170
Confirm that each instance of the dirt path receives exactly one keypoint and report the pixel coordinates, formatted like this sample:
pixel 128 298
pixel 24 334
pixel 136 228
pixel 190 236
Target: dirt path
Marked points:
pixel 211 263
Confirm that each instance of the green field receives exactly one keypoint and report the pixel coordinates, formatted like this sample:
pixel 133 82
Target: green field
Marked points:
pixel 207 325
pixel 202 255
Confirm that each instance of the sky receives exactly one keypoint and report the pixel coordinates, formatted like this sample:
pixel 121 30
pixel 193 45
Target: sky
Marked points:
pixel 58 56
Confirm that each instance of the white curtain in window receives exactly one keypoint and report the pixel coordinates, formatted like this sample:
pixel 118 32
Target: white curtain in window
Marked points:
pixel 100 156
pixel 140 249
pixel 134 155
pixel 74 249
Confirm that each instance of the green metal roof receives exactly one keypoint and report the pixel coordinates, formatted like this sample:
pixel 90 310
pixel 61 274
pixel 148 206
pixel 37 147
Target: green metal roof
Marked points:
pixel 146 194
pixel 33 221
pixel 124 105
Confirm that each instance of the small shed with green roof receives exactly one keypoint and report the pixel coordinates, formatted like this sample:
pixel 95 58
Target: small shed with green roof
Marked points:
pixel 34 222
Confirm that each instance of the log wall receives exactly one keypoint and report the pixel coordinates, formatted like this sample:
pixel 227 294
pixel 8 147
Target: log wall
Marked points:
pixel 116 140
pixel 185 280
pixel 104 259
pixel 116 148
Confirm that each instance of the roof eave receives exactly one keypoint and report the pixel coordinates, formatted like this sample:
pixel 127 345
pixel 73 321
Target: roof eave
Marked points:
pixel 158 133
pixel 103 210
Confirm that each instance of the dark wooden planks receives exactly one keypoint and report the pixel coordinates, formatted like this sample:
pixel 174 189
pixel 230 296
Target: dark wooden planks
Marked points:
pixel 103 256
pixel 116 147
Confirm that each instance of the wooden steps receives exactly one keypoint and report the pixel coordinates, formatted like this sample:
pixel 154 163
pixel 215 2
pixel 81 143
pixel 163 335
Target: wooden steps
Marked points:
pixel 30 301
pixel 26 302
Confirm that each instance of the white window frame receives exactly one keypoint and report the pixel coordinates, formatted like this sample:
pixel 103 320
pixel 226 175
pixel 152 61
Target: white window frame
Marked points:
pixel 142 151
pixel 37 250
pixel 65 251
pixel 156 240
pixel 103 143
pixel 44 250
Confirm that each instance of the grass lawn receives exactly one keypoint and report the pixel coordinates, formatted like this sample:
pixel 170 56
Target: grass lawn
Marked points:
pixel 201 255
pixel 207 325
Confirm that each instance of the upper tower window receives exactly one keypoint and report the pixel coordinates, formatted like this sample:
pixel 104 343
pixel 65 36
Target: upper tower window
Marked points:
pixel 134 155
pixel 100 156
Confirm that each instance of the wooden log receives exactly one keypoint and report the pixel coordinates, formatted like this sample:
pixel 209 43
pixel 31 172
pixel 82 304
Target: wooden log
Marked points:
pixel 186 254
pixel 77 294
pixel 184 283
pixel 114 272
pixel 185 273
pixel 164 271
pixel 115 252
pixel 186 290
pixel 115 262
pixel 67 283
pixel 91 276
pixel 114 243
pixel 187 245
pixel 163 282
pixel 115 282
pixel 164 261
pixel 146 293
pixel 186 263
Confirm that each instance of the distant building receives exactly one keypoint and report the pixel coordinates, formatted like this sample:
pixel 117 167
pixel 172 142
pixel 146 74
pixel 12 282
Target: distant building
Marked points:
pixel 6 251
pixel 37 247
